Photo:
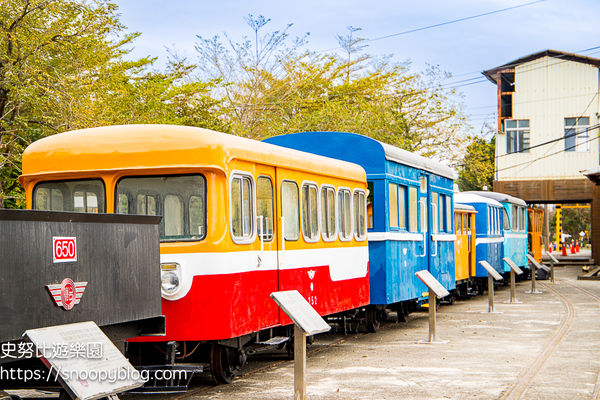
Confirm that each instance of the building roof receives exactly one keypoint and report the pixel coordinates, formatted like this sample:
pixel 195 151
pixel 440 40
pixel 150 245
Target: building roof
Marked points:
pixel 491 74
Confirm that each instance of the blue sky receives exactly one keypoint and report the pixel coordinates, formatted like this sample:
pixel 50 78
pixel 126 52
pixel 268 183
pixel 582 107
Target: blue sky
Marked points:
pixel 464 49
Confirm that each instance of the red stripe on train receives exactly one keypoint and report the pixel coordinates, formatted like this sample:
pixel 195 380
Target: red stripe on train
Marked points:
pixel 232 305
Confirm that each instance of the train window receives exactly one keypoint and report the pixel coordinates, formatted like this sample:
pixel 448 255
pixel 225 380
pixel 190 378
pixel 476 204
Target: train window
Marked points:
pixel 402 207
pixel 146 204
pixel 78 196
pixel 435 212
pixel 514 218
pixel 197 215
pixel 264 207
pixel 344 214
pixel 242 221
pixel 449 212
pixel 424 219
pixel 370 219
pixel 310 221
pixel 180 199
pixel 328 213
pixel 465 223
pixel 412 204
pixel 290 210
pixel 458 225
pixel 393 204
pixel 506 222
pixel 521 219
pixel 360 228
pixel 173 215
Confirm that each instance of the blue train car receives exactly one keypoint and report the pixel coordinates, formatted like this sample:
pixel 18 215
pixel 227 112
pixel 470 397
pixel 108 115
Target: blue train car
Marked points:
pixel 515 227
pixel 488 229
pixel 410 211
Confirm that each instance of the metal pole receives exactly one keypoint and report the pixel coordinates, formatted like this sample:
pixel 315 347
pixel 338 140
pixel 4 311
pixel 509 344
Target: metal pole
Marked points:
pixel 432 317
pixel 490 294
pixel 533 270
pixel 513 290
pixel 551 270
pixel 299 364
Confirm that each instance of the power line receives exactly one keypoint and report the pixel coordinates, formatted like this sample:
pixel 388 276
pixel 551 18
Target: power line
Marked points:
pixel 455 21
pixel 549 155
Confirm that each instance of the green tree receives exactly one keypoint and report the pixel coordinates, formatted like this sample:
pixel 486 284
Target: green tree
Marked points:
pixel 284 90
pixel 62 67
pixel 477 167
pixel 574 220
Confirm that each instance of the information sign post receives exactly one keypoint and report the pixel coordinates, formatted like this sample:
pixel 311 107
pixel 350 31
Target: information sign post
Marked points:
pixel 492 275
pixel 307 322
pixel 514 269
pixel 435 290
pixel 536 266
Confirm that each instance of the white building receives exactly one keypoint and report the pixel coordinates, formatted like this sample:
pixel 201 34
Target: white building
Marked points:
pixel 548 108
pixel 548 118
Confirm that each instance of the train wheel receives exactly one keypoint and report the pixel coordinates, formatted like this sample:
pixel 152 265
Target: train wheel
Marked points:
pixel 225 363
pixel 372 320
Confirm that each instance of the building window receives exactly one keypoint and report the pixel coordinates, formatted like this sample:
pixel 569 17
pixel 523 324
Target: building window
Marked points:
pixel 517 135
pixel 577 137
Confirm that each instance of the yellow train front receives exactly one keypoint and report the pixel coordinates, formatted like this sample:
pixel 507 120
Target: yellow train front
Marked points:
pixel 241 219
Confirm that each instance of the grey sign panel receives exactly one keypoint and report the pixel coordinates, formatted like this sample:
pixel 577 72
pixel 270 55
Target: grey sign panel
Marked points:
pixel 84 360
pixel 513 266
pixel 300 312
pixel 537 264
pixel 552 258
pixel 433 284
pixel 491 271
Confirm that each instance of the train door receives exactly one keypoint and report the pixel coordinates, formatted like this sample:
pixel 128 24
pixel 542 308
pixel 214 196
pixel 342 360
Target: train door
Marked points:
pixel 267 244
pixel 461 251
pixel 469 220
pixel 438 260
pixel 424 226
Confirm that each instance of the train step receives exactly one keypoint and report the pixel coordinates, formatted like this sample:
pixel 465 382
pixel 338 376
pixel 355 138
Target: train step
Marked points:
pixel 173 378
pixel 274 341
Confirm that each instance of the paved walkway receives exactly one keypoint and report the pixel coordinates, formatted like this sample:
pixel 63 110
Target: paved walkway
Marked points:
pixel 547 347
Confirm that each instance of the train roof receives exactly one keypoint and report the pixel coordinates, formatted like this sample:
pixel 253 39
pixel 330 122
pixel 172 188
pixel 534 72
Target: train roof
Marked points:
pixel 360 149
pixel 471 198
pixel 463 207
pixel 401 156
pixel 501 197
pixel 131 147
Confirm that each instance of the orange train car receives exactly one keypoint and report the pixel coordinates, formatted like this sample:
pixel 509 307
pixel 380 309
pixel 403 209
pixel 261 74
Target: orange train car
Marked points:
pixel 535 224
pixel 464 220
pixel 241 219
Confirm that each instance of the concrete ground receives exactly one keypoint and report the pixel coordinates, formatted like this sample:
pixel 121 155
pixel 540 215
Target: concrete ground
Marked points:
pixel 547 347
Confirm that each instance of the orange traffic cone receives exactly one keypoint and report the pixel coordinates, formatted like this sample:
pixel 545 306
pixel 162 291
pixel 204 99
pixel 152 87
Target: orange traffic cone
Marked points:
pixel 572 248
pixel 577 246
pixel 550 248
pixel 564 249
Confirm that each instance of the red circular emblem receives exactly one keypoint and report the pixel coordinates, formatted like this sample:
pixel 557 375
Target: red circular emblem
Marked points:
pixel 67 293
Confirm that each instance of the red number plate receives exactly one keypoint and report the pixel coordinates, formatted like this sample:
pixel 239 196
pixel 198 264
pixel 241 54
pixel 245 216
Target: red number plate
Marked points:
pixel 64 249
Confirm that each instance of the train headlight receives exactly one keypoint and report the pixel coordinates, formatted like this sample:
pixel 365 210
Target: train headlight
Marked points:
pixel 170 277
